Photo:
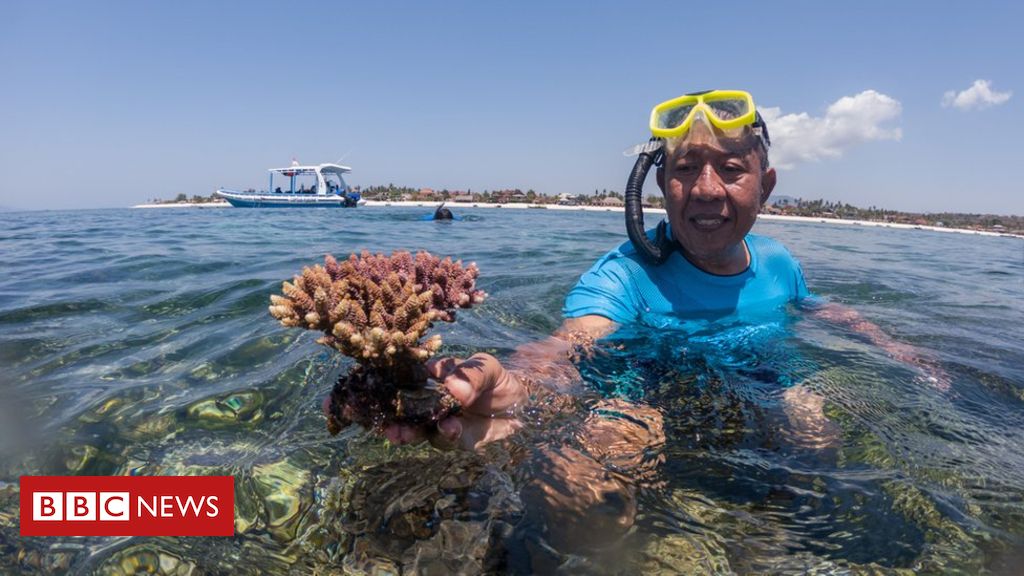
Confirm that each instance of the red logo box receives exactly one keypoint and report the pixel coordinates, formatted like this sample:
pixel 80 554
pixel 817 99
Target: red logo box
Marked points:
pixel 127 506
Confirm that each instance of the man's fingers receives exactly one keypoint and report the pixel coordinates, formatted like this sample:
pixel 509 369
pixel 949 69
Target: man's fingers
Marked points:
pixel 480 431
pixel 472 377
pixel 450 428
pixel 447 435
pixel 399 434
pixel 440 369
pixel 474 383
pixel 461 390
pixel 471 380
pixel 502 428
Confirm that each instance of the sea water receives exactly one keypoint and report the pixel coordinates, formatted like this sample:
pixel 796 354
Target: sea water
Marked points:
pixel 138 342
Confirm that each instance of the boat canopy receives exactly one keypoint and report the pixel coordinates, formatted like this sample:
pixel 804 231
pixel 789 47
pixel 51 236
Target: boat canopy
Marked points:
pixel 325 168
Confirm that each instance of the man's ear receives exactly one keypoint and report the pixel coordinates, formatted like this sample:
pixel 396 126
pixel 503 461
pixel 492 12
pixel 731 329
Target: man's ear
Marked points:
pixel 661 179
pixel 768 180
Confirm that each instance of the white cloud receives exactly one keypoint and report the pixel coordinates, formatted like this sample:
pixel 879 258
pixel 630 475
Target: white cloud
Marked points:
pixel 847 122
pixel 979 95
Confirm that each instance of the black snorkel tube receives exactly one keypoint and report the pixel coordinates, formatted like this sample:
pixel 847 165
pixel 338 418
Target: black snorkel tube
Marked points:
pixel 655 252
pixel 442 213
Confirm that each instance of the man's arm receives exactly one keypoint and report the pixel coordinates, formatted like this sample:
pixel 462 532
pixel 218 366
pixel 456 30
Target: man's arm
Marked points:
pixel 549 361
pixel 493 396
pixel 805 409
pixel 589 480
pixel 592 481
pixel 852 320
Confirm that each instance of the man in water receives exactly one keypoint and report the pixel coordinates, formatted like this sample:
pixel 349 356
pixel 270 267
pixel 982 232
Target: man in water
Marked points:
pixel 442 213
pixel 715 178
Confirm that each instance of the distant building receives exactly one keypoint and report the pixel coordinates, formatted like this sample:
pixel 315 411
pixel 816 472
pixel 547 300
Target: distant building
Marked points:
pixel 462 197
pixel 784 201
pixel 611 201
pixel 506 196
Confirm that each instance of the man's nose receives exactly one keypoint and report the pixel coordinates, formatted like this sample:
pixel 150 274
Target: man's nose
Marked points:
pixel 708 186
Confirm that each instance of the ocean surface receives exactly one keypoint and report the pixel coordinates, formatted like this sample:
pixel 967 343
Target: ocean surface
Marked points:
pixel 138 342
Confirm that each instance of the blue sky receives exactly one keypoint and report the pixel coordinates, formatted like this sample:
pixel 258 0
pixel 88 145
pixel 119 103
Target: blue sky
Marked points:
pixel 109 104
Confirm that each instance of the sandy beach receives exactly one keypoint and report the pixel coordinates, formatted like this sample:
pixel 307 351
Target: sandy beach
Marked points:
pixel 658 211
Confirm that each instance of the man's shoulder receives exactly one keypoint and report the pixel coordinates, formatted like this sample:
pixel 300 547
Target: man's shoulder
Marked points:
pixel 764 242
pixel 624 255
pixel 766 245
pixel 770 251
pixel 608 288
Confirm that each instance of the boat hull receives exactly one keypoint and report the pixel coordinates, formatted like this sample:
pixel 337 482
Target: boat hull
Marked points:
pixel 241 200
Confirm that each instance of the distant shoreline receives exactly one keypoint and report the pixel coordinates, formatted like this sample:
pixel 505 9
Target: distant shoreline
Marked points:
pixel 185 205
pixel 659 211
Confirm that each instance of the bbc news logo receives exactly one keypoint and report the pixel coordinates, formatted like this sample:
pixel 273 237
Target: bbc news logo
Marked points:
pixel 127 506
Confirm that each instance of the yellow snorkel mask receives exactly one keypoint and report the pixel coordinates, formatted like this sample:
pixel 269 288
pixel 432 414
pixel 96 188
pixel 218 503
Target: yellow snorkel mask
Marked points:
pixel 726 110
pixel 724 115
pixel 726 119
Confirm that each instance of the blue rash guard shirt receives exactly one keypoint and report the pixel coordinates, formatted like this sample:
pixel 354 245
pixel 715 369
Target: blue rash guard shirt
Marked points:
pixel 622 287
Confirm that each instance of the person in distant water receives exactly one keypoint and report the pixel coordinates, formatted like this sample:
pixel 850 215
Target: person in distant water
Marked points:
pixel 713 171
pixel 442 213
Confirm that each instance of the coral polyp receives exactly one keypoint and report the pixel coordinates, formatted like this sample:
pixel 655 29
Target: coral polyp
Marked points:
pixel 376 309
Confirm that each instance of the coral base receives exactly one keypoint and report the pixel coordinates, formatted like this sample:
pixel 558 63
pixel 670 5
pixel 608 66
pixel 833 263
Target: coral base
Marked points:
pixel 374 399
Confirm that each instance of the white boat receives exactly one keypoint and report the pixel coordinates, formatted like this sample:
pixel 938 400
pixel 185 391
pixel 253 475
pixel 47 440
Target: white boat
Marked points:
pixel 326 188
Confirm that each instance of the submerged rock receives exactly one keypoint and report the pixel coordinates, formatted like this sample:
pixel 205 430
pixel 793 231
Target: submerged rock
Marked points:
pixel 443 514
pixel 284 490
pixel 230 410
pixel 145 559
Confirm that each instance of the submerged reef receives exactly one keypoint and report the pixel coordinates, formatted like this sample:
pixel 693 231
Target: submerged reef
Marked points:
pixel 376 309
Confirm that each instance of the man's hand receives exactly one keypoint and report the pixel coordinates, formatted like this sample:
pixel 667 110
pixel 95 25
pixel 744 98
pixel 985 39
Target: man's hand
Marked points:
pixel 490 397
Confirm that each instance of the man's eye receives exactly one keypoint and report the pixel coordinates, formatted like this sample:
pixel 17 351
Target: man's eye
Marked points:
pixel 733 168
pixel 685 168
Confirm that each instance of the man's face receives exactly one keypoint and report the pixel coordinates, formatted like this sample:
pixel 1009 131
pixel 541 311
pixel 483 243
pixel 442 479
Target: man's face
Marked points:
pixel 712 196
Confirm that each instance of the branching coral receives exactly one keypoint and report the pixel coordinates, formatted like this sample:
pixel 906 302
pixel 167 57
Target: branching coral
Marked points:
pixel 375 309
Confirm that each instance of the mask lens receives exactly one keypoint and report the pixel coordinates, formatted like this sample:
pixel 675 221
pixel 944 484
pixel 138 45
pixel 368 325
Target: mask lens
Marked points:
pixel 729 109
pixel 674 117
